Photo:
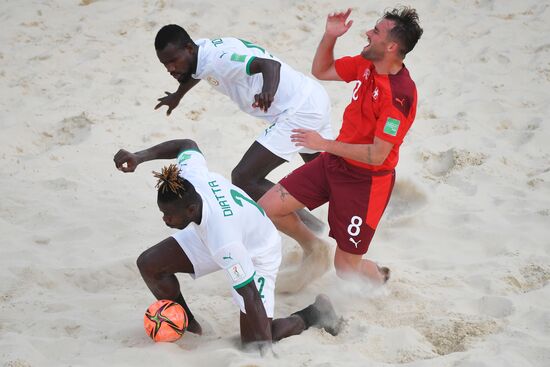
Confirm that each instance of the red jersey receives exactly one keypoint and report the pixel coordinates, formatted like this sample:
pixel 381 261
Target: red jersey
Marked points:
pixel 381 105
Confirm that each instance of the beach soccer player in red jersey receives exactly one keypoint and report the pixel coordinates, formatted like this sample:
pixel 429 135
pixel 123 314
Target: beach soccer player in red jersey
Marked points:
pixel 355 174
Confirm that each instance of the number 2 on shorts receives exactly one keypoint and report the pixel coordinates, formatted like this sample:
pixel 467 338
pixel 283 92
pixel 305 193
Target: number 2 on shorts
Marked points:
pixel 261 282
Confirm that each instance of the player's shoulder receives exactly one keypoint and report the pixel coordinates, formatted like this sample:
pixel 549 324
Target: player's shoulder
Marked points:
pixel 361 62
pixel 401 90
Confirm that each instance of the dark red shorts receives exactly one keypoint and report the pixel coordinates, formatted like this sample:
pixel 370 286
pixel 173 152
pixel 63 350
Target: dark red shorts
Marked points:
pixel 357 197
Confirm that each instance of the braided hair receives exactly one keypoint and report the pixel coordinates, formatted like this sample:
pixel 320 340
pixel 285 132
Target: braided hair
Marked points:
pixel 171 186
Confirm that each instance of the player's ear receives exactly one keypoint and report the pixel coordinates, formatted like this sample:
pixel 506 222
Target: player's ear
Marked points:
pixel 393 47
pixel 192 209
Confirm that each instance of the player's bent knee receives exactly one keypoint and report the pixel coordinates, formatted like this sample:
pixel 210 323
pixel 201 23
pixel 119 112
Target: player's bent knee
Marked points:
pixel 242 177
pixel 270 202
pixel 145 262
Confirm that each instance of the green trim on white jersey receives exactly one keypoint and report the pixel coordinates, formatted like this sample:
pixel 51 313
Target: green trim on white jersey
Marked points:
pixel 248 64
pixel 246 282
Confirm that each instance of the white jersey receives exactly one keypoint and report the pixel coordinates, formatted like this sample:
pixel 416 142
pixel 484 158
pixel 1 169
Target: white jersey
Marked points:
pixel 234 228
pixel 225 64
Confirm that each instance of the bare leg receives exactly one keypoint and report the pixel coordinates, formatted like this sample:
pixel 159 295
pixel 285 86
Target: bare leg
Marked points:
pixel 310 221
pixel 320 314
pixel 280 206
pixel 351 265
pixel 251 172
pixel 158 266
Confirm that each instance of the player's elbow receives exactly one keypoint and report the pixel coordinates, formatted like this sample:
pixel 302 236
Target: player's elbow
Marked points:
pixel 377 160
pixel 187 144
pixel 317 72
pixel 265 66
pixel 377 153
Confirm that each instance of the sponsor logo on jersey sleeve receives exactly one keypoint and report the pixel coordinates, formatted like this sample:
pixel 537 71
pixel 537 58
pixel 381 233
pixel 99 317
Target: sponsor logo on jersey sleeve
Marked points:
pixel 183 157
pixel 238 58
pixel 391 126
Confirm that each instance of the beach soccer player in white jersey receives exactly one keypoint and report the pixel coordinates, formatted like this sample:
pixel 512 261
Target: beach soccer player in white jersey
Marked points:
pixel 219 228
pixel 262 86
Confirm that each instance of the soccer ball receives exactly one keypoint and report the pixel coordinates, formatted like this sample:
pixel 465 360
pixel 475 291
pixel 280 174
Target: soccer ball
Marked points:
pixel 165 321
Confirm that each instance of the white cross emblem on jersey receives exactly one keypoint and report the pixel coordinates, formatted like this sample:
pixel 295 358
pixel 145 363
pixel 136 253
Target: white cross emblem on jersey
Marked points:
pixel 366 74
pixel 375 93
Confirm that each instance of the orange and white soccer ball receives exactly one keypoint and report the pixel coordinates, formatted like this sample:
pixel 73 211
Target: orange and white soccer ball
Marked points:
pixel 165 321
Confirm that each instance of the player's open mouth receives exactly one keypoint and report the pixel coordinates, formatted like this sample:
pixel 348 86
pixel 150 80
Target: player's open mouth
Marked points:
pixel 176 75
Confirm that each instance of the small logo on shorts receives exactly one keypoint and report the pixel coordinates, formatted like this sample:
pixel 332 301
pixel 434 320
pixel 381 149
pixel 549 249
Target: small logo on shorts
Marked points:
pixel 355 243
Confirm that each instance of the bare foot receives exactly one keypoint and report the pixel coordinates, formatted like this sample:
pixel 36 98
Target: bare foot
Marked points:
pixel 314 265
pixel 385 272
pixel 194 327
pixel 328 319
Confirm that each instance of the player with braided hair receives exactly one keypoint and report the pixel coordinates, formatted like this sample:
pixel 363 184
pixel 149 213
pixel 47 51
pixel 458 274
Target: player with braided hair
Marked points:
pixel 219 228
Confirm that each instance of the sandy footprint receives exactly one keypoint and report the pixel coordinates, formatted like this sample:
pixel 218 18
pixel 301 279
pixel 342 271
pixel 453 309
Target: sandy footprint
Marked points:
pixel 455 333
pixel 70 131
pixel 531 277
pixel 443 164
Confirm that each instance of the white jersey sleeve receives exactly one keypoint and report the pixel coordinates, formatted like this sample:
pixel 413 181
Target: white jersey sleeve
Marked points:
pixel 233 65
pixel 191 164
pixel 236 262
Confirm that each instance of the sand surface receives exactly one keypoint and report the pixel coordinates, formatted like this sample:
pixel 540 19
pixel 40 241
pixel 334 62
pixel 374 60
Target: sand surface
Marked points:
pixel 467 233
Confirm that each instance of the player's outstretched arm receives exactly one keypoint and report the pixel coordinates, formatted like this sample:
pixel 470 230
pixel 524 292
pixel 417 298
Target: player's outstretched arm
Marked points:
pixel 172 100
pixel 323 62
pixel 271 73
pixel 126 161
pixel 257 326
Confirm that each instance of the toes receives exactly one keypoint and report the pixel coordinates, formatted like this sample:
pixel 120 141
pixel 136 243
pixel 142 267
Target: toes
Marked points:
pixel 385 271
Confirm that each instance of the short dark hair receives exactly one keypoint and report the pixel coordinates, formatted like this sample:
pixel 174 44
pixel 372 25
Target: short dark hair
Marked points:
pixel 406 30
pixel 171 186
pixel 172 33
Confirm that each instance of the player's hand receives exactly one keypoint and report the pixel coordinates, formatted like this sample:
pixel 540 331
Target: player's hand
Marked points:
pixel 336 23
pixel 126 161
pixel 263 101
pixel 171 100
pixel 310 139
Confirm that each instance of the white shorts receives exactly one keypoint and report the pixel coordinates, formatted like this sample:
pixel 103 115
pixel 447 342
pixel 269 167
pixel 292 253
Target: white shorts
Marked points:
pixel 266 269
pixel 313 114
